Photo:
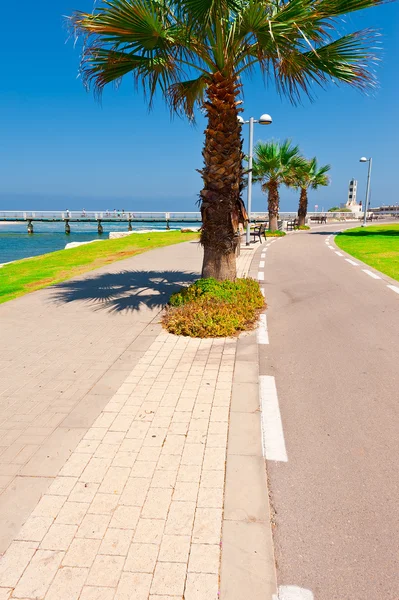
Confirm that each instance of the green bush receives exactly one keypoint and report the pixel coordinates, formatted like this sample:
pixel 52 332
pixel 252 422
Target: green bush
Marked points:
pixel 211 308
pixel 302 227
pixel 277 233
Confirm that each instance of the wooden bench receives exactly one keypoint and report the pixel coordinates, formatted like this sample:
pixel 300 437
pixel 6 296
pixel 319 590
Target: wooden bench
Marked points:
pixel 258 231
pixel 292 224
pixel 322 219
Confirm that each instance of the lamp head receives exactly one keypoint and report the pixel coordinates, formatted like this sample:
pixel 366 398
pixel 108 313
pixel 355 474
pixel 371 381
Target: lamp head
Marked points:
pixel 265 119
pixel 240 120
pixel 363 159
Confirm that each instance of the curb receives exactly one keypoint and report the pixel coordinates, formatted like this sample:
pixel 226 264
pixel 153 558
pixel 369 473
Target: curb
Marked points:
pixel 247 565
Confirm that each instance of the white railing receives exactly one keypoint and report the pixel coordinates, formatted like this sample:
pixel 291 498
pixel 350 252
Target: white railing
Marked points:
pixel 87 215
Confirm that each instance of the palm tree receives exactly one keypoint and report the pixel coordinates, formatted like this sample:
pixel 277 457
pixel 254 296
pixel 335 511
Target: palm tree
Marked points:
pixel 196 53
pixel 276 164
pixel 309 176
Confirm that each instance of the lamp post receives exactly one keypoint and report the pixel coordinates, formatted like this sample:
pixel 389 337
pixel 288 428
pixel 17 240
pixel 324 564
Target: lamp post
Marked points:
pixel 370 161
pixel 263 120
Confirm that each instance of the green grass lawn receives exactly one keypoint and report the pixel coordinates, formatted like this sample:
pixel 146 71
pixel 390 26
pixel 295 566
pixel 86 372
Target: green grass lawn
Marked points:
pixel 28 275
pixel 376 245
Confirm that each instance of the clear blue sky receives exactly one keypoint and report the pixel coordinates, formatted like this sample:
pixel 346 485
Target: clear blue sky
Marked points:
pixel 60 149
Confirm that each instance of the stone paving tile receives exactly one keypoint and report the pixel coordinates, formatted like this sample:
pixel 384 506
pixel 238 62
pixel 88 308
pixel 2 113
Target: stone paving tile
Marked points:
pixel 34 529
pixel 14 562
pixel 106 571
pixel 97 593
pixel 68 584
pixel 141 558
pixel 134 585
pixel 5 593
pixel 81 553
pixel 58 537
pixel 200 586
pixel 136 510
pixel 38 575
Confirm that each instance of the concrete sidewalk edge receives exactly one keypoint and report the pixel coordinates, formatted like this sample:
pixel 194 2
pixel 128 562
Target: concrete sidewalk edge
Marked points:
pixel 248 567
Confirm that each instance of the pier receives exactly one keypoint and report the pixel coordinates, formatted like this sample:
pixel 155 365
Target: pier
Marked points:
pixel 98 217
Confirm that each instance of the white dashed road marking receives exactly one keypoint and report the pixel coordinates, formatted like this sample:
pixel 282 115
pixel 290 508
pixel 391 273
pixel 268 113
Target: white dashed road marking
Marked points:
pixel 263 335
pixel 352 262
pixel 394 288
pixel 261 276
pixel 338 253
pixel 263 291
pixel 261 264
pixel 293 592
pixel 273 443
pixel 371 274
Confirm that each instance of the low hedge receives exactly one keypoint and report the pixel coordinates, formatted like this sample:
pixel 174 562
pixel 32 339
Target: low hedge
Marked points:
pixel 276 233
pixel 211 308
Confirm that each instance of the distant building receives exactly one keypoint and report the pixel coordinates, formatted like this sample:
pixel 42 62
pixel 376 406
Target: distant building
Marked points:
pixel 392 209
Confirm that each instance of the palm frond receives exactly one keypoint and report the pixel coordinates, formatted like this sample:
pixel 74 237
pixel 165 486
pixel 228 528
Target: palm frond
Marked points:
pixel 310 175
pixel 334 8
pixel 346 60
pixel 294 42
pixel 138 24
pixel 204 11
pixel 184 96
pixel 277 162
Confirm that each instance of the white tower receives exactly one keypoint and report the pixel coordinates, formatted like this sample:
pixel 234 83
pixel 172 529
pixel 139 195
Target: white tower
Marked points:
pixel 352 193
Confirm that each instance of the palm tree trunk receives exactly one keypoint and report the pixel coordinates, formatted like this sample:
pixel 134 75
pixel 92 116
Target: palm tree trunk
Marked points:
pixel 303 206
pixel 273 205
pixel 221 205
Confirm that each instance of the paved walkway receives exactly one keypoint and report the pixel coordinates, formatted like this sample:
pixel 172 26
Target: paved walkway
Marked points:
pixel 137 473
pixel 64 352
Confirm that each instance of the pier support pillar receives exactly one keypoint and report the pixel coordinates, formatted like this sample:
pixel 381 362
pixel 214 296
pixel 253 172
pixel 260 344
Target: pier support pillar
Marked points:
pixel 67 227
pixel 129 226
pixel 100 227
pixel 167 225
pixel 30 226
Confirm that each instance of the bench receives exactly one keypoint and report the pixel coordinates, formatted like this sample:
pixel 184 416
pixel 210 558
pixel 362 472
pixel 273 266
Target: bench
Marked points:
pixel 321 219
pixel 258 231
pixel 292 224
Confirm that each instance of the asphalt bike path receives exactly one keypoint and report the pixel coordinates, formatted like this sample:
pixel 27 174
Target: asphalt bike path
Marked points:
pixel 329 360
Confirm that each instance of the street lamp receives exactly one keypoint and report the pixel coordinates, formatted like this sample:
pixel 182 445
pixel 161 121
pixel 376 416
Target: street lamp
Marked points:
pixel 370 161
pixel 263 120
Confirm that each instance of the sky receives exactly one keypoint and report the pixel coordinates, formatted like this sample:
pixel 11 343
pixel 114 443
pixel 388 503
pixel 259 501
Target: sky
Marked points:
pixel 60 148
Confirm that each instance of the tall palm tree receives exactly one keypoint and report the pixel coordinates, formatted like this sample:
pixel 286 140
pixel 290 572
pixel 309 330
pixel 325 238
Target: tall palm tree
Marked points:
pixel 309 176
pixel 196 52
pixel 276 163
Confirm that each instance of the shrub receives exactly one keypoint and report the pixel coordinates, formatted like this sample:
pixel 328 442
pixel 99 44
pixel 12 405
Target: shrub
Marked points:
pixel 302 227
pixel 210 308
pixel 277 233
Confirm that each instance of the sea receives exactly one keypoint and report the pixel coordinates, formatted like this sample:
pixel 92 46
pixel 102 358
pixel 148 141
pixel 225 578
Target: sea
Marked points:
pixel 16 243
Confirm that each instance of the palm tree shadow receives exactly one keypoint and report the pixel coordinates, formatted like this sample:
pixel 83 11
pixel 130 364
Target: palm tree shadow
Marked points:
pixel 123 291
pixel 319 232
pixel 367 233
